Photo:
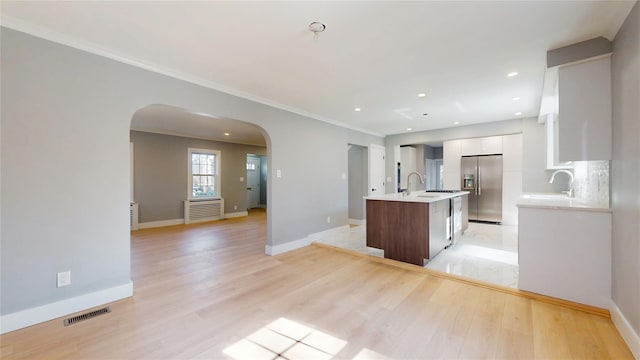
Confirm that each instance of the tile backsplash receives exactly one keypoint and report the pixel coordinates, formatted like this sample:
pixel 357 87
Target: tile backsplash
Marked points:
pixel 592 181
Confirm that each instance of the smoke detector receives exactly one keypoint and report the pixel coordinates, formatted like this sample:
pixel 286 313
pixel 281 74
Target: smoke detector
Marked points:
pixel 317 27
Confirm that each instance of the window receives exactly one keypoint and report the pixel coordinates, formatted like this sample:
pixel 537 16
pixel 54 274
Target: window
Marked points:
pixel 204 174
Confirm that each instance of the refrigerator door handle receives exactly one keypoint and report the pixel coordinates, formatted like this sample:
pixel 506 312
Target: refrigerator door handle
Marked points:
pixel 478 187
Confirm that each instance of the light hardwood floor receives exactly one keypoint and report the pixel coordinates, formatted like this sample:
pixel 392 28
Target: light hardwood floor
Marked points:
pixel 208 291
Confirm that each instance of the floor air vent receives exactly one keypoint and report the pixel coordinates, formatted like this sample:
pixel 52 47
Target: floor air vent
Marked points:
pixel 86 316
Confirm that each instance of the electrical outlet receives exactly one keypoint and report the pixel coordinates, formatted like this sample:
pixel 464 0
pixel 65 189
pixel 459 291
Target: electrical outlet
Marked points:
pixel 64 278
pixel 278 173
pixel 241 179
pixel 328 219
pixel 235 207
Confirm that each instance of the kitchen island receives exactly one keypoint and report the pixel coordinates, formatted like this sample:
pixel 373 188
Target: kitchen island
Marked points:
pixel 415 228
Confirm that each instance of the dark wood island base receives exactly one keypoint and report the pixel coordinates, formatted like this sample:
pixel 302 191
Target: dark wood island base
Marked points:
pixel 399 228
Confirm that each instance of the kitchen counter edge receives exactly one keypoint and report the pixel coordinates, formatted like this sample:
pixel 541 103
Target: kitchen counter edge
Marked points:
pixel 416 197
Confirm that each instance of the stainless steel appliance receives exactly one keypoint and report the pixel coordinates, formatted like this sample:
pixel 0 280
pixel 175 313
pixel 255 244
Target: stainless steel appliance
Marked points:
pixel 454 217
pixel 482 177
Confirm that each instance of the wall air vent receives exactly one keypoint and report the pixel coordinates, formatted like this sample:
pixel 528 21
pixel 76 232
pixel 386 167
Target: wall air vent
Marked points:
pixel 86 316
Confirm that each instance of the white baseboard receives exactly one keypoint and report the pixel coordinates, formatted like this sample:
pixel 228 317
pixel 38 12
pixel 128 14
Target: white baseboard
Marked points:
pixel 626 330
pixel 291 245
pixel 356 221
pixel 236 214
pixel 161 223
pixel 296 244
pixel 36 315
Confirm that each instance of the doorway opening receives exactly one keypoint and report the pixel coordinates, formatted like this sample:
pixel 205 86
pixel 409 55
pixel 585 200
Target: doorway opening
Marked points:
pixel 256 181
pixel 188 167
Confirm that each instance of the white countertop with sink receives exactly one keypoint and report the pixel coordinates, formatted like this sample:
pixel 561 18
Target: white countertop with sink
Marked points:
pixel 417 196
pixel 559 202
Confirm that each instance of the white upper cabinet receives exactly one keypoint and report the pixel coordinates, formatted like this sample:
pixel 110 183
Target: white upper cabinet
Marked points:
pixel 584 127
pixel 481 146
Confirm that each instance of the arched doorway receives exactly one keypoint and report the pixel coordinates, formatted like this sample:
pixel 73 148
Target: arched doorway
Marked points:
pixel 181 158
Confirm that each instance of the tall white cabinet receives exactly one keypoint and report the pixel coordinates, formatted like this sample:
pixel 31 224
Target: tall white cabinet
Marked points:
pixel 584 95
pixel 510 146
pixel 408 164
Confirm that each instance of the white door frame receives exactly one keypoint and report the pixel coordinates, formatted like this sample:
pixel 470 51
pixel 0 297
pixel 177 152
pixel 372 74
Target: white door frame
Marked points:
pixel 374 150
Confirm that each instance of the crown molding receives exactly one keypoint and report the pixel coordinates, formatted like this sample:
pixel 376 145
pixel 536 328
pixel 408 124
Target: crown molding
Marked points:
pixel 57 37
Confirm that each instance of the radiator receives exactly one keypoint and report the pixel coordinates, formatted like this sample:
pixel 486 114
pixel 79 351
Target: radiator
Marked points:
pixel 207 210
pixel 133 216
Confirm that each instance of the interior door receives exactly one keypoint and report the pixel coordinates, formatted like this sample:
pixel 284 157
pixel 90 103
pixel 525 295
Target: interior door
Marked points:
pixel 490 188
pixel 253 181
pixel 376 169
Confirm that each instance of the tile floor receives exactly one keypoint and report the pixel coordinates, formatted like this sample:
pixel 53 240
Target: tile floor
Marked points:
pixel 485 252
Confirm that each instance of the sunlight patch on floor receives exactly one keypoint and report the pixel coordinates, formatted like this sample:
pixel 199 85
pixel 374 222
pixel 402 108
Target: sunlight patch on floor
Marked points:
pixel 286 339
pixel 502 256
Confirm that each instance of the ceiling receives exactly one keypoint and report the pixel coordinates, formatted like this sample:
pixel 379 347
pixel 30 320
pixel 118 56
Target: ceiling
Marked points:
pixel 169 120
pixel 376 56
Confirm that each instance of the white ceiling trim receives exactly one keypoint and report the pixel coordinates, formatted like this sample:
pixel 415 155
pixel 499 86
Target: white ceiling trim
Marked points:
pixel 48 34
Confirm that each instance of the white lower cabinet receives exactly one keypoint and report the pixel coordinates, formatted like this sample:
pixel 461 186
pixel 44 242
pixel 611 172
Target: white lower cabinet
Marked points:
pixel 566 253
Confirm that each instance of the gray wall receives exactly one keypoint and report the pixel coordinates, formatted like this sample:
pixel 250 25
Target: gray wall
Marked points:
pixel 438 152
pixel 160 173
pixel 358 179
pixel 625 169
pixel 65 118
pixel 433 152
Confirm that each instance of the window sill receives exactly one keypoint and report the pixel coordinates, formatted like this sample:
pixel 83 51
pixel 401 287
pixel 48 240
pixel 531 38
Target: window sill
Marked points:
pixel 204 198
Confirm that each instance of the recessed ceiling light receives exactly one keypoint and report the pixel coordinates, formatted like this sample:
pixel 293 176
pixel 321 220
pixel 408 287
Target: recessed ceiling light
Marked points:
pixel 515 98
pixel 356 109
pixel 226 134
pixel 409 129
pixel 519 113
pixel 512 74
pixel 422 95
pixel 456 122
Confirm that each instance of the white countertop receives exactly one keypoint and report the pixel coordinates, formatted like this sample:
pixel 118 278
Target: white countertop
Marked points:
pixel 417 196
pixel 558 202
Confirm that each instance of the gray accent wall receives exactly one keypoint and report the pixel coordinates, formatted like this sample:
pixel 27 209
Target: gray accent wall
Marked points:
pixel 358 179
pixel 160 173
pixel 66 117
pixel 579 51
pixel 625 169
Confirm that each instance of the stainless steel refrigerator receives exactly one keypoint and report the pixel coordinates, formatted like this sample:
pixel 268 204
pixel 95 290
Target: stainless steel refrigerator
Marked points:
pixel 482 177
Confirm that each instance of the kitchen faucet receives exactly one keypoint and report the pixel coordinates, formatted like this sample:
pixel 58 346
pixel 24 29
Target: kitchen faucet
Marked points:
pixel 570 192
pixel 409 183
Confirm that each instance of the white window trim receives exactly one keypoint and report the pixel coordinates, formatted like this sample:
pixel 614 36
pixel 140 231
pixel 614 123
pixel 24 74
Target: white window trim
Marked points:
pixel 218 155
